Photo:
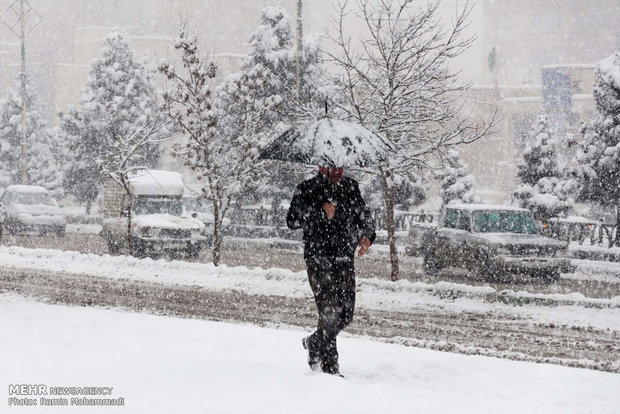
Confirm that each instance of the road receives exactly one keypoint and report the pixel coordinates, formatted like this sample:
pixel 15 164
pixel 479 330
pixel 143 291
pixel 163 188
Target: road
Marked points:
pixel 477 333
pixel 248 253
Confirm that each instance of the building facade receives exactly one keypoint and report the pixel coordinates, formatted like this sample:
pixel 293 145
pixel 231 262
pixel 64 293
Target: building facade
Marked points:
pixel 533 57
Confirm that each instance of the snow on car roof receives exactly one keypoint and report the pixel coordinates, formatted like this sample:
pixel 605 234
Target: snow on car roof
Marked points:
pixel 156 182
pixel 472 207
pixel 574 219
pixel 26 189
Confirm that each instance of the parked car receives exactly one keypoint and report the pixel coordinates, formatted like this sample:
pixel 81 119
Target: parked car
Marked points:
pixel 193 207
pixel 571 227
pixel 158 225
pixel 30 208
pixel 490 240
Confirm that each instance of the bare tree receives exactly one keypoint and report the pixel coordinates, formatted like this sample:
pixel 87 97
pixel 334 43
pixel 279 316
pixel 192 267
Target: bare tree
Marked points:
pixel 396 81
pixel 220 126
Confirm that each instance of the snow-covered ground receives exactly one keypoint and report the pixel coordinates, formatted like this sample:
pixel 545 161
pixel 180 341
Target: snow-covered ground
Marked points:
pixel 586 247
pixel 595 270
pixel 573 309
pixel 167 365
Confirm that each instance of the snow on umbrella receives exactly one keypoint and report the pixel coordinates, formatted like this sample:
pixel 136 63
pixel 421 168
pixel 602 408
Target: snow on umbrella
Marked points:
pixel 330 143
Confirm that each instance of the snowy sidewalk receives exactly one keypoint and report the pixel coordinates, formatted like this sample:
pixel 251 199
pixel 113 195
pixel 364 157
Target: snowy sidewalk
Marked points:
pixel 168 365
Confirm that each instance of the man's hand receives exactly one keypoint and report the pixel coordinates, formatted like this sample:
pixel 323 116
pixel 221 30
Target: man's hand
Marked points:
pixel 364 245
pixel 330 210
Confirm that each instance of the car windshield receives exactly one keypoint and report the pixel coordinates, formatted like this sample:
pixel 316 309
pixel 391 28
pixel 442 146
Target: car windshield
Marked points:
pixel 496 221
pixel 33 199
pixel 192 204
pixel 150 206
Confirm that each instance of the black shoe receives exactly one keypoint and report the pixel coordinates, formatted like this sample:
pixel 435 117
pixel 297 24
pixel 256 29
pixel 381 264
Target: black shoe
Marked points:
pixel 314 359
pixel 332 369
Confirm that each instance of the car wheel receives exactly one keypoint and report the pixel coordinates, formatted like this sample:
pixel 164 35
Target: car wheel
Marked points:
pixel 193 253
pixel 480 268
pixel 113 248
pixel 139 252
pixel 431 264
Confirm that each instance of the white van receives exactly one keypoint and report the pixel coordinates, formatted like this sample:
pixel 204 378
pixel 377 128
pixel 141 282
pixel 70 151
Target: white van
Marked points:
pixel 157 224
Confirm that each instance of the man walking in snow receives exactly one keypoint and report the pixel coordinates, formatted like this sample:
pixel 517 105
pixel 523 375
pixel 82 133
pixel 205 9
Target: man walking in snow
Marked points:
pixel 335 221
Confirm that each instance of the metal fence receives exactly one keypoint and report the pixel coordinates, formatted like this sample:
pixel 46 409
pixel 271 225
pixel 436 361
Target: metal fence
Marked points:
pixel 258 216
pixel 262 216
pixel 601 234
pixel 592 233
pixel 403 221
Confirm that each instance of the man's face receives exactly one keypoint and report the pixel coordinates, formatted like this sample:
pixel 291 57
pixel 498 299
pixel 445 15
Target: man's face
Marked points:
pixel 332 174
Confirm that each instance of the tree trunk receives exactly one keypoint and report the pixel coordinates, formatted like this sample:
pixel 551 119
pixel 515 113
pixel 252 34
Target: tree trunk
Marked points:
pixel 129 235
pixel 618 225
pixel 276 219
pixel 129 206
pixel 390 223
pixel 88 207
pixel 217 234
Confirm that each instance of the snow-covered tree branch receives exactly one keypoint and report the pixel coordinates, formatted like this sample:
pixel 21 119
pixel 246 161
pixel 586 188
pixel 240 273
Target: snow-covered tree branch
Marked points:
pixel 599 170
pixel 216 142
pixel 41 165
pixel 119 126
pixel 539 174
pixel 396 81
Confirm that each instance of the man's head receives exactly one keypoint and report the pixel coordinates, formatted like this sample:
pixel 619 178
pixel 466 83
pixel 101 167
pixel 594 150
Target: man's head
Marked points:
pixel 332 174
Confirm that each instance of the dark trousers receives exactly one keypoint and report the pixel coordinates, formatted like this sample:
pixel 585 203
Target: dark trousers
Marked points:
pixel 333 283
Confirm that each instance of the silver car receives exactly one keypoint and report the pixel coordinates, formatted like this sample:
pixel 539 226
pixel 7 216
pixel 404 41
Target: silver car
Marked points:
pixel 489 240
pixel 30 208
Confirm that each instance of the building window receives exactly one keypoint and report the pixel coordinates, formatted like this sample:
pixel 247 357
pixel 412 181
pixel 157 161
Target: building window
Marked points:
pixel 557 89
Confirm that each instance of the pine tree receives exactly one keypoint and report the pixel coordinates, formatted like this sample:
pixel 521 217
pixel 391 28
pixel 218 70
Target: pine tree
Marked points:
pixel 269 64
pixel 456 184
pixel 599 171
pixel 119 124
pixel 539 174
pixel 44 157
pixel 268 78
pixel 11 141
pixel 82 177
pixel 41 162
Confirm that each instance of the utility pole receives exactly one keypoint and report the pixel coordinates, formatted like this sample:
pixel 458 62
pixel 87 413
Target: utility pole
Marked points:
pixel 21 12
pixel 3 58
pixel 299 46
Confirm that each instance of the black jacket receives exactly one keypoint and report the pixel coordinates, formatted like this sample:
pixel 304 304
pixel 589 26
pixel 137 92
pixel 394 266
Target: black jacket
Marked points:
pixel 336 237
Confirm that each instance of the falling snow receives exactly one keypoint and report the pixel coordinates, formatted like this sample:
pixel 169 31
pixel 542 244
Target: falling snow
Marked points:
pixel 150 151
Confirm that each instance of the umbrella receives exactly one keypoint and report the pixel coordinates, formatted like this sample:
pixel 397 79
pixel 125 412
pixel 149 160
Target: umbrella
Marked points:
pixel 330 143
